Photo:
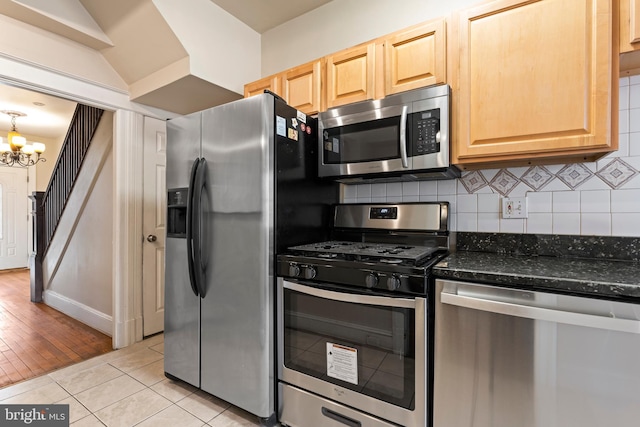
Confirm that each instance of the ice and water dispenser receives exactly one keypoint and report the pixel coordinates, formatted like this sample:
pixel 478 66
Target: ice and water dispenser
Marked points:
pixel 177 212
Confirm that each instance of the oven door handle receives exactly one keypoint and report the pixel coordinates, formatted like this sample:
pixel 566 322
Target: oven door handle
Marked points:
pixel 353 298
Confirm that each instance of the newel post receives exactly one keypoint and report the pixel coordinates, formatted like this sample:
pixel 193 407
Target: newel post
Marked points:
pixel 35 260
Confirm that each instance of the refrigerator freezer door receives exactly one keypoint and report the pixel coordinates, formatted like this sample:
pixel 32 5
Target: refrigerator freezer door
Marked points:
pixel 183 148
pixel 182 306
pixel 237 311
pixel 181 318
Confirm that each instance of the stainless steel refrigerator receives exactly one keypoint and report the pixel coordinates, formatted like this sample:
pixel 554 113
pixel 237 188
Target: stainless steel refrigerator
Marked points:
pixel 241 186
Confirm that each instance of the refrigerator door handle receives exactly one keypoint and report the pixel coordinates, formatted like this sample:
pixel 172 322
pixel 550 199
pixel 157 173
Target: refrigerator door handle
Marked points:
pixel 199 253
pixel 190 223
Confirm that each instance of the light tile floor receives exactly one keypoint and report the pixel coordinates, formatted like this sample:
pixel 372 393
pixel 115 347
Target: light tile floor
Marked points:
pixel 125 388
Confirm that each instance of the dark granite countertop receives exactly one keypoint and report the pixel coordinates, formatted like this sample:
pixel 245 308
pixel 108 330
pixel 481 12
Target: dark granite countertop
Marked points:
pixel 593 277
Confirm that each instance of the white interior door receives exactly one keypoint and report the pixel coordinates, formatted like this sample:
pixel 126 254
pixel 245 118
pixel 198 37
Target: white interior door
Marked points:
pixel 14 224
pixel 154 220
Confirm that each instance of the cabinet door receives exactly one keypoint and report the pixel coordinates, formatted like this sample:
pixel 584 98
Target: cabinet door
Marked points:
pixel 629 25
pixel 415 58
pixel 537 80
pixel 350 75
pixel 301 87
pixel 271 83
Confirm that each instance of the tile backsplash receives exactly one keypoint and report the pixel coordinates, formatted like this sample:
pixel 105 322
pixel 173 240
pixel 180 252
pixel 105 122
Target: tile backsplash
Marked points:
pixel 600 198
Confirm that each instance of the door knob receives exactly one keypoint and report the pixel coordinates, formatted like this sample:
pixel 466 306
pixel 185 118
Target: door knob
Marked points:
pixel 151 238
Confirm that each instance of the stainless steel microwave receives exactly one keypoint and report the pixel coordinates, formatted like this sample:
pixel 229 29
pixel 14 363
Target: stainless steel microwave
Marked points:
pixel 403 135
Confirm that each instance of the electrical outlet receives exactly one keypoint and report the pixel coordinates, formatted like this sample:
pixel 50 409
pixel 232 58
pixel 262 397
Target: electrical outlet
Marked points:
pixel 514 207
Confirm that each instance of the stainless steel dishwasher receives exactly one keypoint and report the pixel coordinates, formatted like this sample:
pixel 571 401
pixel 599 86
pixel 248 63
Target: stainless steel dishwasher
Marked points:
pixel 515 358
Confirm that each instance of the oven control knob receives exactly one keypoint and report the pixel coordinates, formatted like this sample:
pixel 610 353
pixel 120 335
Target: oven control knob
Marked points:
pixel 310 273
pixel 371 280
pixel 393 283
pixel 294 270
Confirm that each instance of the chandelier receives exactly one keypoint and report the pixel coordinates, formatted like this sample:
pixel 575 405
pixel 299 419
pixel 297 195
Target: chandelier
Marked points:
pixel 16 151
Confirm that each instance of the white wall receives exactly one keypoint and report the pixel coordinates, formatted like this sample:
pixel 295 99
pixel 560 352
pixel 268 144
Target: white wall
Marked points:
pixel 85 274
pixel 78 266
pixel 35 46
pixel 343 23
pixel 603 199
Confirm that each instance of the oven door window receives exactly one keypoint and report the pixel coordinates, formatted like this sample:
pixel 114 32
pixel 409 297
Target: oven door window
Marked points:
pixel 362 142
pixel 366 348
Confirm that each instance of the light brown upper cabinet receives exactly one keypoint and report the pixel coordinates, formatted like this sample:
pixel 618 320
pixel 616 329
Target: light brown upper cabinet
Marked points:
pixel 629 37
pixel 271 83
pixel 350 75
pixel 302 87
pixel 415 57
pixel 408 59
pixel 536 81
pixel 629 25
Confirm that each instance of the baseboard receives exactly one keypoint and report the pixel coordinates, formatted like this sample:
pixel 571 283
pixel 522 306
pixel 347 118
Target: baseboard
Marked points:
pixel 126 332
pixel 83 313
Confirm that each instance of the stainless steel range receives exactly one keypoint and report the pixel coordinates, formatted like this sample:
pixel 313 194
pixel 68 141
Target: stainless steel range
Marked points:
pixel 355 320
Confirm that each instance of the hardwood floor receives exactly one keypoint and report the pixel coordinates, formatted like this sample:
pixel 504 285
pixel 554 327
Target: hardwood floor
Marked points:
pixel 36 339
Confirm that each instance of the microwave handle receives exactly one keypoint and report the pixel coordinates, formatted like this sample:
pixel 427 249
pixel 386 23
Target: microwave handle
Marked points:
pixel 403 137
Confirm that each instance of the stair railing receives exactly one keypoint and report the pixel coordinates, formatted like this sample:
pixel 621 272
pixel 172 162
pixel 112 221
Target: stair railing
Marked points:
pixel 76 143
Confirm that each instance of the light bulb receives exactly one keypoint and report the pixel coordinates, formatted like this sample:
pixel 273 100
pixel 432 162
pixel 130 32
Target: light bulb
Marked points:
pixel 5 147
pixel 39 147
pixel 19 141
pixel 27 149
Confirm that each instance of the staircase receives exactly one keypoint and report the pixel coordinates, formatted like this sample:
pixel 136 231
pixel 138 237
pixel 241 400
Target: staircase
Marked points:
pixel 49 205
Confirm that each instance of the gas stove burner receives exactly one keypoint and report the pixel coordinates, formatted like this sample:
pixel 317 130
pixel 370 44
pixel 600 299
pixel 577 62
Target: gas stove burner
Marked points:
pixel 327 255
pixel 390 251
pixel 333 245
pixel 372 250
pixel 367 251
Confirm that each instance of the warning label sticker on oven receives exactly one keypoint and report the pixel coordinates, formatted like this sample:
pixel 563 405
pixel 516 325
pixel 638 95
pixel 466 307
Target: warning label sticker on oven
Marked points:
pixel 342 363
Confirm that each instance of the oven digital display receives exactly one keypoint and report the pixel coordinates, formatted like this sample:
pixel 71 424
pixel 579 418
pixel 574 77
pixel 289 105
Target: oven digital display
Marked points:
pixel 383 213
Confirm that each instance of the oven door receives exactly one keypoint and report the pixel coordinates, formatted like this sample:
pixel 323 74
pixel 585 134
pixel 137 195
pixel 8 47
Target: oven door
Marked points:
pixel 367 352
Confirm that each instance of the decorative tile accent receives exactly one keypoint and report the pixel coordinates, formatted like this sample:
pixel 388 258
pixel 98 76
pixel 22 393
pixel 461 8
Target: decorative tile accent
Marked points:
pixel 473 181
pixel 537 177
pixel 574 175
pixel 504 182
pixel 616 173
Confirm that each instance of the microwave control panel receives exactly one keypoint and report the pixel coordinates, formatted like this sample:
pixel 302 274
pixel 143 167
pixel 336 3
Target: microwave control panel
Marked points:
pixel 426 132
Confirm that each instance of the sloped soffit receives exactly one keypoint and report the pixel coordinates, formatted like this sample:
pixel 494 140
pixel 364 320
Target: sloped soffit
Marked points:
pixel 143 42
pixel 147 54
